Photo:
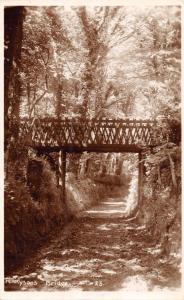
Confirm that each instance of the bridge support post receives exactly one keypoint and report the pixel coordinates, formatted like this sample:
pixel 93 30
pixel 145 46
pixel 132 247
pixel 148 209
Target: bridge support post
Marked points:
pixel 140 180
pixel 62 166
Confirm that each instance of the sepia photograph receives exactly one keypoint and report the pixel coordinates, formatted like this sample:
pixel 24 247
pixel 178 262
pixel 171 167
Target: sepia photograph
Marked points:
pixel 92 148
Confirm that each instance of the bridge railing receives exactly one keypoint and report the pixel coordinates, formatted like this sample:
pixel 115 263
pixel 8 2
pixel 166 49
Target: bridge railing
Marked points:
pixel 84 132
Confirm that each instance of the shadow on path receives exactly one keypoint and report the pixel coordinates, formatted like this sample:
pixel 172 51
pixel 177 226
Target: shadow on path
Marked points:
pixel 99 251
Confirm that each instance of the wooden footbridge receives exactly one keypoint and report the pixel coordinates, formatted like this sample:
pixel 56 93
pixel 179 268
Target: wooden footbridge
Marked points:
pixel 78 135
pixel 102 135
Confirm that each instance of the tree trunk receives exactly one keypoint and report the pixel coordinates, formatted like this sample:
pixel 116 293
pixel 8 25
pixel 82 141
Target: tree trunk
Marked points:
pixel 13 32
pixel 59 109
pixel 172 171
pixel 159 175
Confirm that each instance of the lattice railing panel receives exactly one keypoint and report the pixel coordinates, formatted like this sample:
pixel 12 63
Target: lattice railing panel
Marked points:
pixel 82 133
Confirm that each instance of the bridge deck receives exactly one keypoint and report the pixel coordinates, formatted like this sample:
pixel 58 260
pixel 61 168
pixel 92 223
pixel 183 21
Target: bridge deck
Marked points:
pixel 50 135
pixel 72 148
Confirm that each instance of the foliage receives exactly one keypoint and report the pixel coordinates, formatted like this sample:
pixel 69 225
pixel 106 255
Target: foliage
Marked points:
pixel 28 220
pixel 103 63
pixel 161 210
pixel 110 62
pixel 42 48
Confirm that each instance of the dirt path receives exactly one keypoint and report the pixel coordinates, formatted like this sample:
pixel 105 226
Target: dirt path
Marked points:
pixel 112 207
pixel 102 252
